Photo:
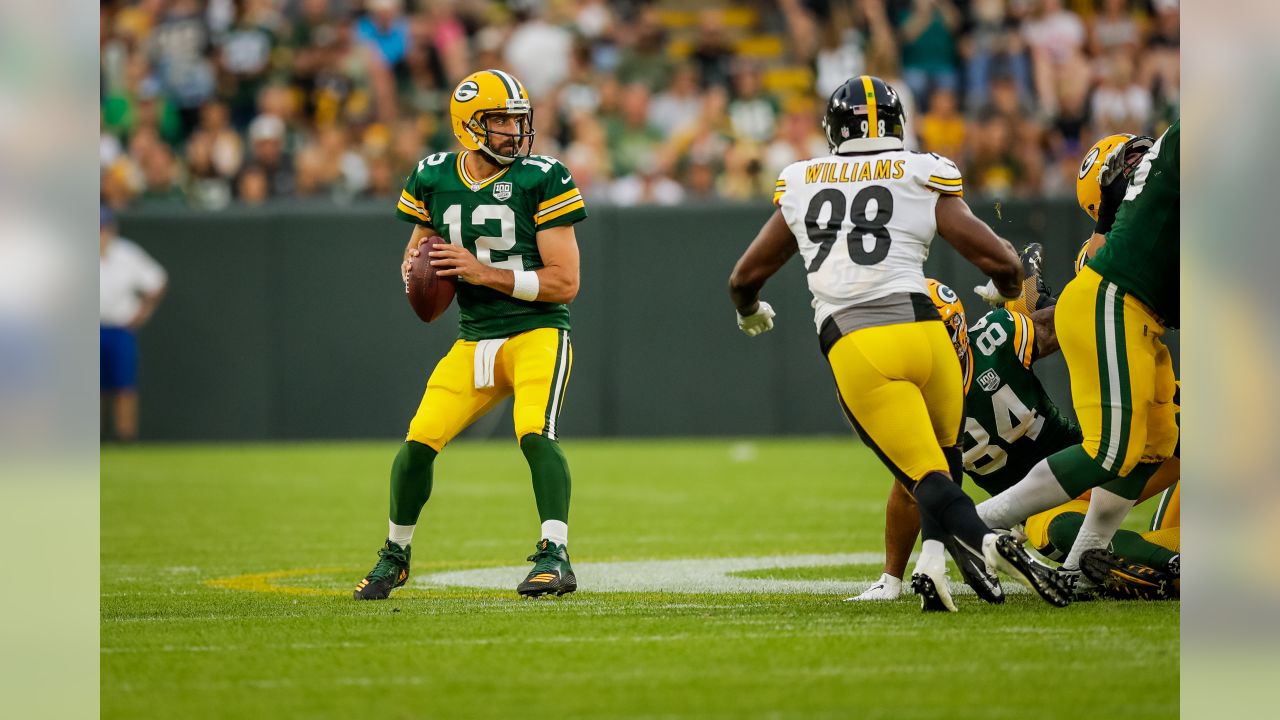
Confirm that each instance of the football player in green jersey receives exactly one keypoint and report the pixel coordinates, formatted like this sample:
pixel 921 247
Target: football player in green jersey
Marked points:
pixel 1011 424
pixel 500 220
pixel 1109 322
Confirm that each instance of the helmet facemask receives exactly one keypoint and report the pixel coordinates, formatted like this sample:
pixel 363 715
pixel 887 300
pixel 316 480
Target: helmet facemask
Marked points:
pixel 522 140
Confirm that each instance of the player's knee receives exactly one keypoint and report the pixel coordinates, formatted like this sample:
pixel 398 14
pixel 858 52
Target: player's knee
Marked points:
pixel 428 432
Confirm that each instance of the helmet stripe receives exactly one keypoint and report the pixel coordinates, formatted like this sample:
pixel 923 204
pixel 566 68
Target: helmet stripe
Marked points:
pixel 513 91
pixel 872 121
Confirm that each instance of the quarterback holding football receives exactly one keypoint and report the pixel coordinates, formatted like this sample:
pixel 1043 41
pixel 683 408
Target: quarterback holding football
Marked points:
pixel 499 221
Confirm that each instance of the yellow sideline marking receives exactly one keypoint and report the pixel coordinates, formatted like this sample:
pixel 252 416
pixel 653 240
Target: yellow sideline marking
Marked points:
pixel 264 582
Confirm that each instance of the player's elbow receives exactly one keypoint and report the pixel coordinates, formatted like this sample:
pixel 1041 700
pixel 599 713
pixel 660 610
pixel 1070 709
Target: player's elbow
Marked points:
pixel 744 280
pixel 562 288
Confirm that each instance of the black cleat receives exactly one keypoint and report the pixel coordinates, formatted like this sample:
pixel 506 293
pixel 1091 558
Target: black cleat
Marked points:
pixel 1117 578
pixel 551 575
pixel 973 568
pixel 390 573
pixel 1003 552
pixel 935 596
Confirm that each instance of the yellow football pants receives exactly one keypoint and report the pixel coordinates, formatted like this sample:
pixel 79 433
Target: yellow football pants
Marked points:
pixel 534 365
pixel 1122 382
pixel 901 388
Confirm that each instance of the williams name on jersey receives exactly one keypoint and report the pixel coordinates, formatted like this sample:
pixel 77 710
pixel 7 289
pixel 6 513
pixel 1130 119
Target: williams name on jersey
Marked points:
pixel 864 222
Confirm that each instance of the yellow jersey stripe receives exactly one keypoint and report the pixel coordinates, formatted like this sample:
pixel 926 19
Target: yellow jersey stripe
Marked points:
pixel 777 197
pixel 946 181
pixel 414 211
pixel 1019 334
pixel 557 199
pixel 577 205
pixel 873 112
pixel 404 195
pixel 940 191
pixel 1031 343
pixel 555 208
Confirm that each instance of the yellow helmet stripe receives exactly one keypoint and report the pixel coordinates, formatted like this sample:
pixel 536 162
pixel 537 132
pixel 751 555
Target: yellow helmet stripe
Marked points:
pixel 513 89
pixel 873 123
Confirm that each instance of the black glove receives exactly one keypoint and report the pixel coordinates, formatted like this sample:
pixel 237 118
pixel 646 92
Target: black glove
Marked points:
pixel 1114 177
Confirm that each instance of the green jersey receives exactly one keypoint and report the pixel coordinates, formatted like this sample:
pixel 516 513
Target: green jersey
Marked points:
pixel 498 220
pixel 1010 422
pixel 1141 254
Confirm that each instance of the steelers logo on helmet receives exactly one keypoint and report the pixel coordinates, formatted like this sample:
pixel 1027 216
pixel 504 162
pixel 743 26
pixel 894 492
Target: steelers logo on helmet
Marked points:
pixel 951 310
pixel 865 113
pixel 478 100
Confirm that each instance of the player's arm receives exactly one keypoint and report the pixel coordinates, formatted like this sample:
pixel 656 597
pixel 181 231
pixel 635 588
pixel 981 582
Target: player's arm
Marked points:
pixel 556 281
pixel 980 245
pixel 770 250
pixel 1046 336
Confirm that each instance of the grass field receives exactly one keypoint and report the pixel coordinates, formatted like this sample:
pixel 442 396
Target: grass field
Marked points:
pixel 227 569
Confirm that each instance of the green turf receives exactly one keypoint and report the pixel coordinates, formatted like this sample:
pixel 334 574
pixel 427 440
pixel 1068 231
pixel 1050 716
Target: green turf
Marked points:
pixel 179 640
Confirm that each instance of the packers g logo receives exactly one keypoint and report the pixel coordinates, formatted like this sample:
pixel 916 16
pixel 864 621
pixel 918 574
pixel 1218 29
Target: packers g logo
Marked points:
pixel 946 294
pixel 466 91
pixel 1088 161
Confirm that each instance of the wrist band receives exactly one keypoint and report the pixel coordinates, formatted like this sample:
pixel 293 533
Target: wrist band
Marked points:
pixel 526 285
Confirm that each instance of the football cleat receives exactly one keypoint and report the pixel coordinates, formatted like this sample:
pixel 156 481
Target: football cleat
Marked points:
pixel 1123 580
pixel 887 587
pixel 1002 552
pixel 1081 588
pixel 974 570
pixel 391 571
pixel 551 575
pixel 929 581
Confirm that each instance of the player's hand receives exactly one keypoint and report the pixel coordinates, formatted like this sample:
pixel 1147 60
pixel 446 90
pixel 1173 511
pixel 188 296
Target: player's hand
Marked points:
pixel 409 255
pixel 760 321
pixel 1113 178
pixel 454 261
pixel 990 294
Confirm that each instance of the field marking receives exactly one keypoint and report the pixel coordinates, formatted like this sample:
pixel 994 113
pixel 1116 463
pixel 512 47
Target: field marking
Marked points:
pixel 264 582
pixel 681 576
pixel 688 575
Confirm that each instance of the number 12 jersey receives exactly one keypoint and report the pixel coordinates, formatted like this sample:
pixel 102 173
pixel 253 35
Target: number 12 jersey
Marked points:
pixel 497 219
pixel 864 222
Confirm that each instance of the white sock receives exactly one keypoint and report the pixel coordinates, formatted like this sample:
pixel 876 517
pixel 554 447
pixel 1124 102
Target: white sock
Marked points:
pixel 401 535
pixel 556 531
pixel 1036 492
pixel 932 555
pixel 1106 512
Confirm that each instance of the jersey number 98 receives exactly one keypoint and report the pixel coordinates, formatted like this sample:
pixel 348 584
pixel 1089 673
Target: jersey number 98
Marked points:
pixel 826 234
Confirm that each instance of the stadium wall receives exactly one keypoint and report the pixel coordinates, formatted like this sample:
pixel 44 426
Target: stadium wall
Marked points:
pixel 291 323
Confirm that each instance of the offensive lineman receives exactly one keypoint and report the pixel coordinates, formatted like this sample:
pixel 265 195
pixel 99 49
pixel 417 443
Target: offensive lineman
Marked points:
pixel 1109 322
pixel 500 220
pixel 1011 424
pixel 863 219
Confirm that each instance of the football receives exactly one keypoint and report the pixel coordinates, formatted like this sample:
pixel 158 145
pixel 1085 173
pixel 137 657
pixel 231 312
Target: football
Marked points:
pixel 429 294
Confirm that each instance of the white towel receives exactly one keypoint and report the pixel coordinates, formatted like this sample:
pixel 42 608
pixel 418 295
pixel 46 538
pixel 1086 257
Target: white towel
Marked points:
pixel 486 358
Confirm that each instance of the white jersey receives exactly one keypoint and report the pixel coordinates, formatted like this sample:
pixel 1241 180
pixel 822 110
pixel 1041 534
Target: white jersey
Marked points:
pixel 864 222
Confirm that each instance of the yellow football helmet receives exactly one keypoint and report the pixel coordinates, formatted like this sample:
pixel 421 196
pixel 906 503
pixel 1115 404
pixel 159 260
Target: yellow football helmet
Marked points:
pixel 1088 184
pixel 952 312
pixel 491 92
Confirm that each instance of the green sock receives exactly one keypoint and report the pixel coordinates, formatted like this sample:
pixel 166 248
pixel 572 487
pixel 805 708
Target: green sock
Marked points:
pixel 550 472
pixel 410 482
pixel 1133 547
pixel 1127 544
pixel 1062 535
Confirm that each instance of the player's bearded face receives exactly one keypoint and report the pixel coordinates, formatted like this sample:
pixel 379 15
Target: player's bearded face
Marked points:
pixel 503 129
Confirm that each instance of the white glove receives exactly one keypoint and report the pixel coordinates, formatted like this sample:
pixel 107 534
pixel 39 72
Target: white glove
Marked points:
pixel 887 587
pixel 993 297
pixel 760 321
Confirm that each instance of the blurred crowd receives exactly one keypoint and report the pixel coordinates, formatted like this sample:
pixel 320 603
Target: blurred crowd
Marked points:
pixel 207 103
